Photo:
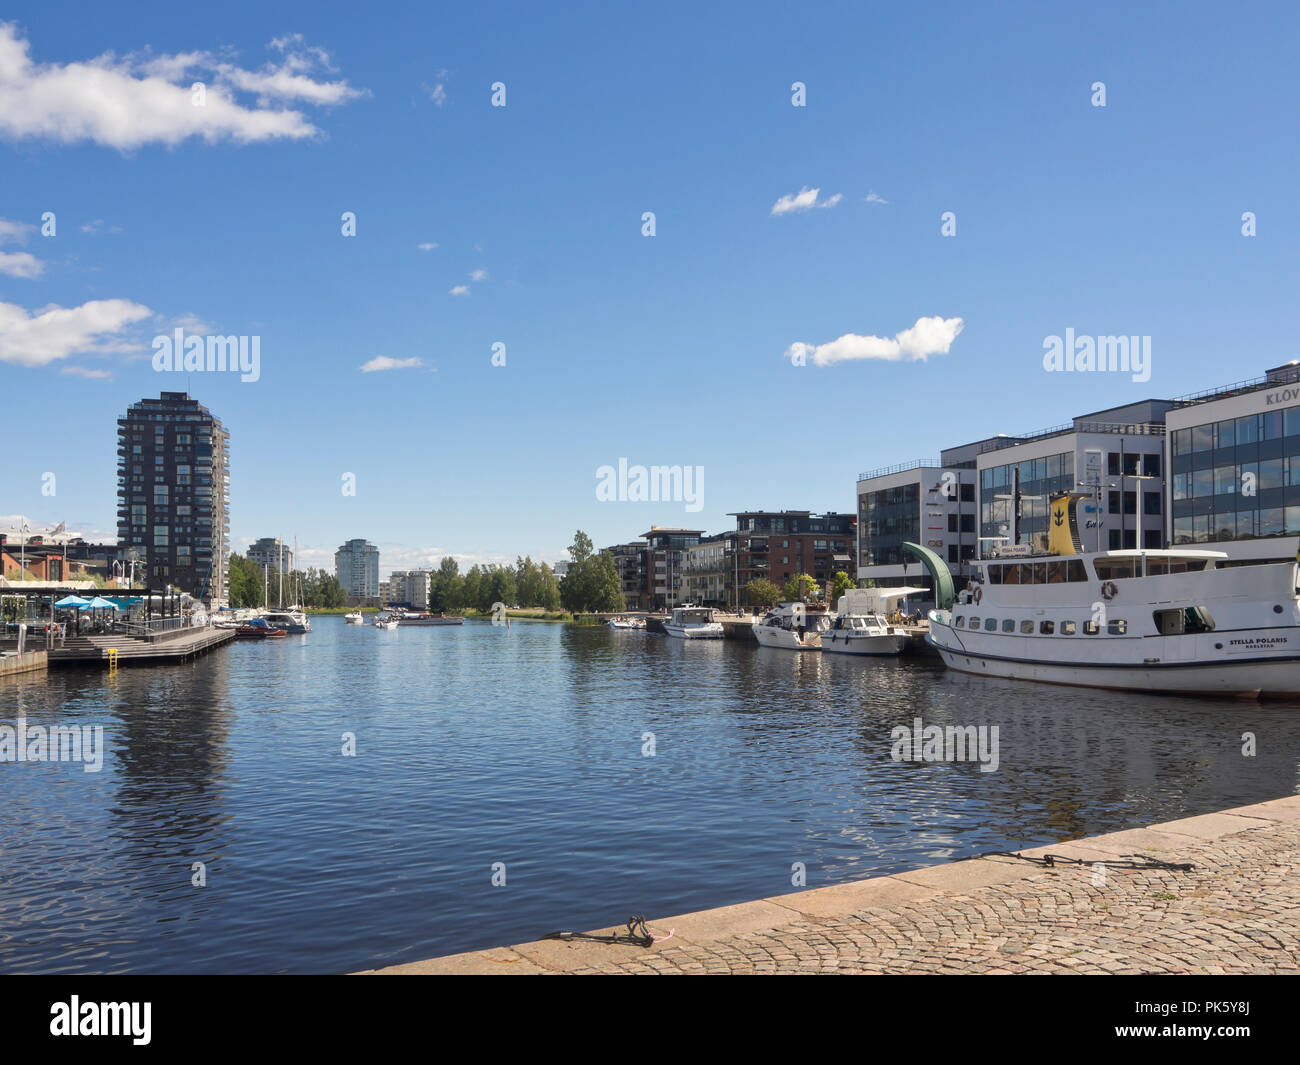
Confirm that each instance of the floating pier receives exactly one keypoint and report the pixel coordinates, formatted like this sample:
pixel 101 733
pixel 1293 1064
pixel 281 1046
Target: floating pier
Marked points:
pixel 1236 911
pixel 173 646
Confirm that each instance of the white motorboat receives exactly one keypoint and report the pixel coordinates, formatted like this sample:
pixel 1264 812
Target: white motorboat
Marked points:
pixel 626 623
pixel 385 622
pixel 693 623
pixel 861 625
pixel 1166 620
pixel 292 621
pixel 792 627
pixel 355 618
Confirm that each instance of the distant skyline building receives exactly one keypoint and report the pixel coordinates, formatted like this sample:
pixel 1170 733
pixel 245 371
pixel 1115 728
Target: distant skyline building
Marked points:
pixel 173 495
pixel 273 553
pixel 410 587
pixel 356 564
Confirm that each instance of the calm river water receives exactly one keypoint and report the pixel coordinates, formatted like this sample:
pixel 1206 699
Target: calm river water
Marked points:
pixel 481 745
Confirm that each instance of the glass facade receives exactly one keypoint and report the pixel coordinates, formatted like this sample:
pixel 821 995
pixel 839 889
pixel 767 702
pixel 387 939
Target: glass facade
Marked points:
pixel 1237 478
pixel 885 520
pixel 1038 477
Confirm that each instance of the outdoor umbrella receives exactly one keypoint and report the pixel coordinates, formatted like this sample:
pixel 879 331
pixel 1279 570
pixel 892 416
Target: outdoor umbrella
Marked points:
pixel 72 600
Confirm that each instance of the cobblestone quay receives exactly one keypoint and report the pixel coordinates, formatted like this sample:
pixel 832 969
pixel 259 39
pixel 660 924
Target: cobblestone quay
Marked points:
pixel 1237 911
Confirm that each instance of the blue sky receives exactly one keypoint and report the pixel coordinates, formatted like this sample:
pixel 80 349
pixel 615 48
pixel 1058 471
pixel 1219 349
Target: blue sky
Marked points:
pixel 671 349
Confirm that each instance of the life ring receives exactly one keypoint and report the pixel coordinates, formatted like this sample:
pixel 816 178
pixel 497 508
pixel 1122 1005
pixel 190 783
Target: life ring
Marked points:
pixel 978 594
pixel 1108 590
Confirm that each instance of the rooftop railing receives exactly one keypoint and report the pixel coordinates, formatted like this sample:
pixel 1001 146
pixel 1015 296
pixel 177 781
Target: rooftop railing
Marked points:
pixel 902 467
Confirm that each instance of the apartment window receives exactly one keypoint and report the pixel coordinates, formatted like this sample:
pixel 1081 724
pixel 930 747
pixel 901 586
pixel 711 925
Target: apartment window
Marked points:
pixel 160 538
pixel 161 495
pixel 952 523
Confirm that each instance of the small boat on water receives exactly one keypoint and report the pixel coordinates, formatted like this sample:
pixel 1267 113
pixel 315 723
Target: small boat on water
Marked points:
pixel 693 623
pixel 626 623
pixel 293 622
pixel 429 619
pixel 355 618
pixel 384 621
pixel 790 626
pixel 861 625
pixel 258 629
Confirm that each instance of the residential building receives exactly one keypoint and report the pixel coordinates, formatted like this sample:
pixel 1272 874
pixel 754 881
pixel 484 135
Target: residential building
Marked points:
pixel 409 588
pixel 173 490
pixel 710 571
pixel 665 560
pixel 356 565
pixel 270 553
pixel 777 545
pixel 630 563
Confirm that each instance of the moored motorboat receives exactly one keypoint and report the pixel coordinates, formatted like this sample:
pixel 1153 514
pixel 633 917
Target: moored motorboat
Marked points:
pixel 693 623
pixel 626 623
pixel 385 621
pixel 294 622
pixel 258 629
pixel 792 627
pixel 861 625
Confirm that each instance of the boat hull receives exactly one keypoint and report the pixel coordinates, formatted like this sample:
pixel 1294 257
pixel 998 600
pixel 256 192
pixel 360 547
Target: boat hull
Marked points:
pixel 711 631
pixel 785 639
pixel 851 643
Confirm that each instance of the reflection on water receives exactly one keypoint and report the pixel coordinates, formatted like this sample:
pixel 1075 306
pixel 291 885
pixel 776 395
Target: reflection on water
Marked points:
pixel 479 745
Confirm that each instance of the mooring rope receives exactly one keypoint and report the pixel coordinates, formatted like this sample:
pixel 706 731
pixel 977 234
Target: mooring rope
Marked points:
pixel 637 934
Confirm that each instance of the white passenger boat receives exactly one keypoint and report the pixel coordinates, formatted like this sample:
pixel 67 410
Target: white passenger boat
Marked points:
pixel 861 625
pixel 792 627
pixel 355 618
pixel 693 623
pixel 1173 620
pixel 626 623
pixel 411 618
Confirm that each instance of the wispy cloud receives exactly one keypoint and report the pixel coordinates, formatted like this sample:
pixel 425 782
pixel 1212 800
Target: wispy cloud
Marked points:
pixel 99 227
pixel 428 245
pixel 20 264
pixel 478 275
pixel 82 371
pixel 125 102
pixel 459 290
pixel 929 336
pixel 871 197
pixel 383 362
pixel 54 333
pixel 437 92
pixel 804 200
pixel 14 232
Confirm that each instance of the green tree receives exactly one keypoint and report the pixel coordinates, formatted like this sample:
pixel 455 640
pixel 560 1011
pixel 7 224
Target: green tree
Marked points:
pixel 843 582
pixel 797 587
pixel 446 587
pixel 761 592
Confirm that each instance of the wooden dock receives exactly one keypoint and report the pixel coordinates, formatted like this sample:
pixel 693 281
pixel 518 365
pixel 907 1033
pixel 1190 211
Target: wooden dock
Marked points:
pixel 176 646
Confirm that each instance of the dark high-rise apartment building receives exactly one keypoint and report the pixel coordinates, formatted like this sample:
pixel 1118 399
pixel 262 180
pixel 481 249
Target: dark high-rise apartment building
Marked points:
pixel 173 495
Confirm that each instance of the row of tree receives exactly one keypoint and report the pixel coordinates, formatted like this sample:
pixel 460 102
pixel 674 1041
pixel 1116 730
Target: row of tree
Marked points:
pixel 762 592
pixel 525 584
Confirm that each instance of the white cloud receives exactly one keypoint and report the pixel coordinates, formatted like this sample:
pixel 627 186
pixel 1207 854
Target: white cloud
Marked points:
pixel 478 275
pixel 929 336
pixel 128 101
pixel 20 264
pixel 871 197
pixel 54 333
pixel 81 371
pixel 427 246
pixel 383 362
pixel 459 290
pixel 98 226
pixel 804 200
pixel 14 232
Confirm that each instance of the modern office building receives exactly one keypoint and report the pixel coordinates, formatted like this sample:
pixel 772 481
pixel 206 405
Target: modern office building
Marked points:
pixel 173 491
pixel 1234 459
pixel 930 503
pixel 776 545
pixel 356 565
pixel 1118 453
pixel 270 553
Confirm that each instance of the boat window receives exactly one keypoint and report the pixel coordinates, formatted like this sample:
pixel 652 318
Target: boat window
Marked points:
pixel 1040 572
pixel 990 625
pixel 1011 574
pixel 1026 573
pixel 1115 569
pixel 1117 628
pixel 1056 573
pixel 960 621
pixel 1074 570
pixel 1027 627
pixel 1068 628
pixel 974 623
pixel 995 574
pixel 1009 625
pixel 1157 566
pixel 1091 628
pixel 1046 627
